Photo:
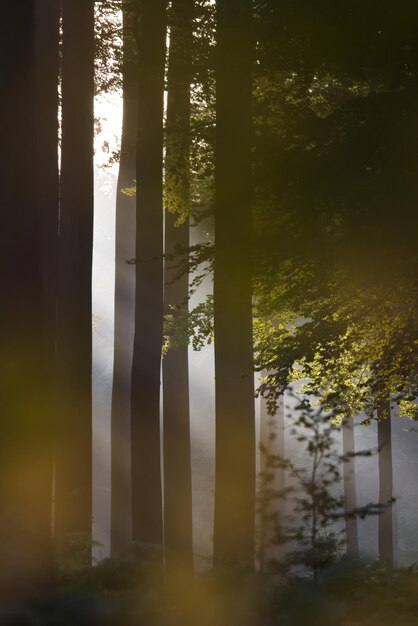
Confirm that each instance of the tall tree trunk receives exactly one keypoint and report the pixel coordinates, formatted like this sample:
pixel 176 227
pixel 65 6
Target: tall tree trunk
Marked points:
pixel 178 533
pixel 25 444
pixel 146 363
pixel 273 507
pixel 350 495
pixel 47 170
pixel 234 380
pixel 124 295
pixel 384 438
pixel 73 475
pixel 47 180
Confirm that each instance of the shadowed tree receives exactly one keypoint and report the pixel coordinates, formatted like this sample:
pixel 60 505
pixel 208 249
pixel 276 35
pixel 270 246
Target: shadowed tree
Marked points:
pixel 234 381
pixel 384 440
pixel 73 461
pixel 272 483
pixel 124 293
pixel 178 537
pixel 350 496
pixel 47 192
pixel 146 362
pixel 46 165
pixel 26 443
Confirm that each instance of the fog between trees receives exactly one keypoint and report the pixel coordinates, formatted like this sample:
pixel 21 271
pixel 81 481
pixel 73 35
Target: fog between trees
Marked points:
pixel 247 244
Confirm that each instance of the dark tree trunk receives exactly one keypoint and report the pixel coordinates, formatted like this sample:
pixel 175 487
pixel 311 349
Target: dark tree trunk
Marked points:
pixel 124 295
pixel 178 533
pixel 47 171
pixel 26 443
pixel 234 381
pixel 350 495
pixel 273 507
pixel 47 185
pixel 145 383
pixel 73 461
pixel 384 439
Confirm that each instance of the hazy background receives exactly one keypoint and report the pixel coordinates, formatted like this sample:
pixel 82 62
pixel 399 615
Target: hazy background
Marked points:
pixel 404 445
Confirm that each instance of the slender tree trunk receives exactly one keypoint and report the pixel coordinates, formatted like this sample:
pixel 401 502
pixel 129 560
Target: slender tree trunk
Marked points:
pixel 73 476
pixel 384 438
pixel 47 180
pixel 350 495
pixel 25 444
pixel 124 295
pixel 234 380
pixel 47 171
pixel 272 518
pixel 145 384
pixel 178 533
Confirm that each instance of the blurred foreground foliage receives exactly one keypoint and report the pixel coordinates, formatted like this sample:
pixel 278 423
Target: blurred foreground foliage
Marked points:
pixel 313 583
pixel 130 591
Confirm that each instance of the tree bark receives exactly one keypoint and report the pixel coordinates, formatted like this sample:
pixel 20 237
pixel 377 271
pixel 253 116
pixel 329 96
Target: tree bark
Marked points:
pixel 350 494
pixel 178 532
pixel 384 438
pixel 146 363
pixel 234 380
pixel 26 443
pixel 47 43
pixel 272 517
pixel 73 461
pixel 121 526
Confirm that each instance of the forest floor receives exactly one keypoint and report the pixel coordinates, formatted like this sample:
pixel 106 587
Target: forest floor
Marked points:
pixel 124 593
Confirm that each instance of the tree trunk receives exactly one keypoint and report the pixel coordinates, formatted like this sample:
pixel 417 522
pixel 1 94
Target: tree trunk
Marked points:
pixel 273 507
pixel 124 296
pixel 47 170
pixel 384 438
pixel 350 495
pixel 47 181
pixel 26 444
pixel 178 533
pixel 146 363
pixel 73 464
pixel 234 380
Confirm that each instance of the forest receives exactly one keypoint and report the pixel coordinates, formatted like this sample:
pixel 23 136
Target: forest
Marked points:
pixel 230 438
